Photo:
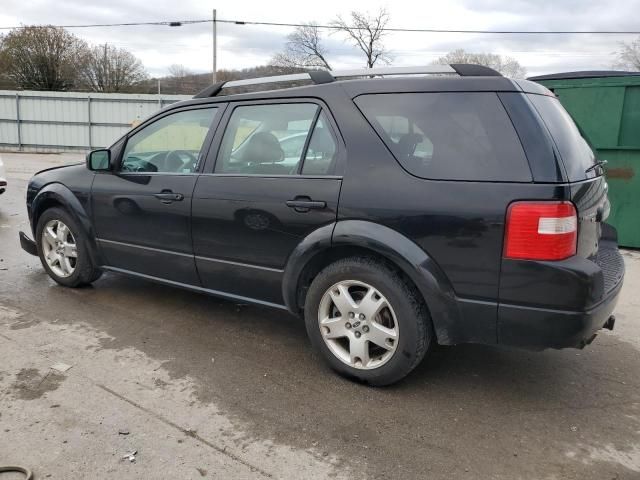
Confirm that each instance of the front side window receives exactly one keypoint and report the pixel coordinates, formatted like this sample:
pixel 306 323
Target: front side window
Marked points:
pixel 170 145
pixel 448 136
pixel 266 139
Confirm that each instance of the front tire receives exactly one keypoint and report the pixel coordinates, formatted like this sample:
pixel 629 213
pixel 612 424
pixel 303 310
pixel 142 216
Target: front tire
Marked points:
pixel 367 321
pixel 63 249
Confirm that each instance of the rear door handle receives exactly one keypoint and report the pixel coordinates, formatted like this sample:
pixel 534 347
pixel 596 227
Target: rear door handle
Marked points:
pixel 304 204
pixel 167 196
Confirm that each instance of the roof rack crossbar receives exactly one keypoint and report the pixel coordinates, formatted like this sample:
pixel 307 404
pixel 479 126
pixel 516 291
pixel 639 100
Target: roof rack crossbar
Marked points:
pixel 322 76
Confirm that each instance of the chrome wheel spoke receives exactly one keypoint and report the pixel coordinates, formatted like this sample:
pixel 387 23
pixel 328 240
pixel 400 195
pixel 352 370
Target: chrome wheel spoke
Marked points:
pixel 62 232
pixel 65 265
pixel 359 352
pixel 372 303
pixel 70 250
pixel 50 236
pixel 342 299
pixel 334 327
pixel 382 336
pixel 52 257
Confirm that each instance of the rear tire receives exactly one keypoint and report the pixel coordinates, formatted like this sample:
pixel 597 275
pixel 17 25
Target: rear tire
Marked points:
pixel 63 249
pixel 362 307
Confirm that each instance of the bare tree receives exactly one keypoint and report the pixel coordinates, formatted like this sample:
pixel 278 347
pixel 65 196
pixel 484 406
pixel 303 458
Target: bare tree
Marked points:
pixel 303 49
pixel 366 32
pixel 42 58
pixel 629 56
pixel 110 69
pixel 181 79
pixel 505 65
pixel 179 71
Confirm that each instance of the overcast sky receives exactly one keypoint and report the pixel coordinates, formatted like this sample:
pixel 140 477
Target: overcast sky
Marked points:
pixel 244 46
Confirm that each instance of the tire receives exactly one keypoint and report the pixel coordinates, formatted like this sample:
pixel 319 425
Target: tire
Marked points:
pixel 82 271
pixel 408 332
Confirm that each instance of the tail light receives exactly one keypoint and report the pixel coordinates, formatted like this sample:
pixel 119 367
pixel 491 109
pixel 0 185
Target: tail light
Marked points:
pixel 541 231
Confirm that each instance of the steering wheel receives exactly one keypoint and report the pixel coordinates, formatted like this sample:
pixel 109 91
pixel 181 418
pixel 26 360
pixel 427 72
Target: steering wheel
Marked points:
pixel 173 160
pixel 139 166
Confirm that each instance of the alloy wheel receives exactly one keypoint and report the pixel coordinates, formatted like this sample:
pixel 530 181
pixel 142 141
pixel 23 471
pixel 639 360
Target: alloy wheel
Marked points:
pixel 358 324
pixel 59 248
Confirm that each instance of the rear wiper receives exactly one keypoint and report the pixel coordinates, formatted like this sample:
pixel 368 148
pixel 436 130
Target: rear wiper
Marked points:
pixel 599 163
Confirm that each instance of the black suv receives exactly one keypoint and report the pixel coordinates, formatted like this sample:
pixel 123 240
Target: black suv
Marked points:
pixel 393 213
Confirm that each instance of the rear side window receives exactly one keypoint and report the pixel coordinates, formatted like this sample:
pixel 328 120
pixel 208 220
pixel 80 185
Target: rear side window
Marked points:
pixel 576 154
pixel 448 136
pixel 266 139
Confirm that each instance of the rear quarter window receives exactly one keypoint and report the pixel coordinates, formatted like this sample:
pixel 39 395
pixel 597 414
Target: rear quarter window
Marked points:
pixel 577 155
pixel 448 136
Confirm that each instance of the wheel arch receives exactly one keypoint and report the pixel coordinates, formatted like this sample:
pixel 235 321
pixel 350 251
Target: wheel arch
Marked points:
pixel 58 195
pixel 357 237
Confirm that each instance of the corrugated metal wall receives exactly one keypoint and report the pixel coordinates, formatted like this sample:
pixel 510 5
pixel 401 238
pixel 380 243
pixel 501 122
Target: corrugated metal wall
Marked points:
pixel 61 121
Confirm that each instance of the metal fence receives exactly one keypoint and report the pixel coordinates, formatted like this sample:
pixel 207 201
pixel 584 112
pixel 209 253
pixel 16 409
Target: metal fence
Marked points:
pixel 63 121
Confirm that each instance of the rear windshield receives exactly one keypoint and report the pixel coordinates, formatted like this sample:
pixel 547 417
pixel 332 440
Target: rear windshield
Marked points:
pixel 448 136
pixel 576 153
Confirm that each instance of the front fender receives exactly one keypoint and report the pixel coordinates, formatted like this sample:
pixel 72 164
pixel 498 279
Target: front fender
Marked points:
pixel 398 249
pixel 54 194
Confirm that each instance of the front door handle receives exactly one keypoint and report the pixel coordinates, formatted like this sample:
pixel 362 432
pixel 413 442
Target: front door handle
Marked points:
pixel 167 196
pixel 304 204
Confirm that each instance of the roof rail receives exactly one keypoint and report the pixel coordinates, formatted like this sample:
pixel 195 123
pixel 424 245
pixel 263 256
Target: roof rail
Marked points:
pixel 323 76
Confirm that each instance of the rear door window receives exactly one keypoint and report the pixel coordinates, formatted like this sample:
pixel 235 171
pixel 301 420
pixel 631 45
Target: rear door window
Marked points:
pixel 448 136
pixel 576 153
pixel 266 139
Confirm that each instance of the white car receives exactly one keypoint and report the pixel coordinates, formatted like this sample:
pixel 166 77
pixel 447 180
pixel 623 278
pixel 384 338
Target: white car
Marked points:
pixel 3 177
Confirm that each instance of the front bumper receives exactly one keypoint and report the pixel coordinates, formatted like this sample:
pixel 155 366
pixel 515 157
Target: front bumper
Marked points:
pixel 27 244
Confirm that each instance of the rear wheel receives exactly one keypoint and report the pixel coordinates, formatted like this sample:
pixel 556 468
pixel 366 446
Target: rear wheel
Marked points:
pixel 367 321
pixel 63 250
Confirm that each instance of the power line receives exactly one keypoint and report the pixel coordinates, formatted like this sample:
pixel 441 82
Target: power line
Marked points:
pixel 437 30
pixel 179 23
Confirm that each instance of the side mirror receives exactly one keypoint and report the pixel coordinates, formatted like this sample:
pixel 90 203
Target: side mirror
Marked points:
pixel 99 160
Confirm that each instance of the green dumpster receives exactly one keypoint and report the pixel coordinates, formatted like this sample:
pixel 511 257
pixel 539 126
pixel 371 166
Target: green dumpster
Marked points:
pixel 606 107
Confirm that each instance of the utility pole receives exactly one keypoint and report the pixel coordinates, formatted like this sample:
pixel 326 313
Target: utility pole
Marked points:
pixel 214 45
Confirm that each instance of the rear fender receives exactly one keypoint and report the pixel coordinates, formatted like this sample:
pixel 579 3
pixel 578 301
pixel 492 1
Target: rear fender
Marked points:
pixel 395 247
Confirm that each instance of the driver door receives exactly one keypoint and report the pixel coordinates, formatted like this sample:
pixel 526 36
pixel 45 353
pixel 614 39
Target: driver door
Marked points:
pixel 142 210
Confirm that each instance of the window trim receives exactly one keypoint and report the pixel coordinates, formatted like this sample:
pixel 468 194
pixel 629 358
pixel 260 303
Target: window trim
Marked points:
pixel 206 144
pixel 216 146
pixel 307 141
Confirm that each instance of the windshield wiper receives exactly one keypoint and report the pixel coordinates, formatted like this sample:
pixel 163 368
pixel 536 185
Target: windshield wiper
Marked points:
pixel 599 163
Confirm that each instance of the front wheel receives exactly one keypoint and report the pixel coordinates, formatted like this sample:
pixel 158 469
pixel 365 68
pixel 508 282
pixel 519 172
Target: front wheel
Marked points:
pixel 367 321
pixel 63 249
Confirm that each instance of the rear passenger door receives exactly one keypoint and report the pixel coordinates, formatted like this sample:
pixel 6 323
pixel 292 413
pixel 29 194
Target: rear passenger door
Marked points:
pixel 272 178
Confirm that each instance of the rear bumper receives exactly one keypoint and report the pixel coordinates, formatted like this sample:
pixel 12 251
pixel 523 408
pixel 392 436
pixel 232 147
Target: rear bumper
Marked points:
pixel 540 328
pixel 27 244
pixel 560 304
